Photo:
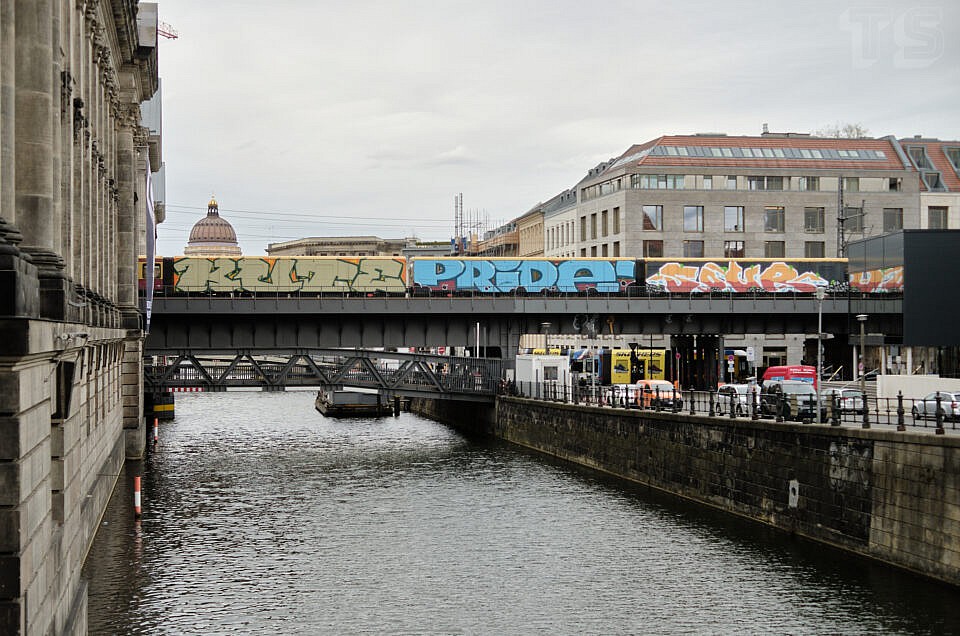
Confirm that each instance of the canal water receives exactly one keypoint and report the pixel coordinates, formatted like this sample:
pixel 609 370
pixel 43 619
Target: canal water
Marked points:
pixel 260 516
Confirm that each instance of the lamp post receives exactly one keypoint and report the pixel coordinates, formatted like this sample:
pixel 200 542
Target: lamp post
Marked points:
pixel 820 293
pixel 862 318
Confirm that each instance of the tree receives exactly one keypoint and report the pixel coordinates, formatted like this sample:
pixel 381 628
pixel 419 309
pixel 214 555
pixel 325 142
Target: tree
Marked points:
pixel 847 131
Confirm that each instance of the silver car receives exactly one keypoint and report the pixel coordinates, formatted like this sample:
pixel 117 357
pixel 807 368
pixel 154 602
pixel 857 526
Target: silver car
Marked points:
pixel 737 395
pixel 845 400
pixel 927 407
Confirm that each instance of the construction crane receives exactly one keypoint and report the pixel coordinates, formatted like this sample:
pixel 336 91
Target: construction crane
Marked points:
pixel 167 31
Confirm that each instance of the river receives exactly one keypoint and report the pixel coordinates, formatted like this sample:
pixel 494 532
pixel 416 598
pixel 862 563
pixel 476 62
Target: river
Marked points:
pixel 260 516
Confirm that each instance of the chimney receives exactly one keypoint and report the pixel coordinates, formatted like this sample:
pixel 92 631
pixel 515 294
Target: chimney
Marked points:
pixel 766 129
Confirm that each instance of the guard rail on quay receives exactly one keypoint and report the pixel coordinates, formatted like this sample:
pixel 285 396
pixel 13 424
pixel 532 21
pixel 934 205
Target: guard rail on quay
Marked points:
pixel 887 413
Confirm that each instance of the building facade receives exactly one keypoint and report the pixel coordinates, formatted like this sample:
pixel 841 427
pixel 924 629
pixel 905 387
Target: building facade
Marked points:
pixel 341 246
pixel 772 196
pixel 74 160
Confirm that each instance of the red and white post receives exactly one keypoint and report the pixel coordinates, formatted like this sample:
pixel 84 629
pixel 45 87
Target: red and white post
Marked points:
pixel 156 430
pixel 136 497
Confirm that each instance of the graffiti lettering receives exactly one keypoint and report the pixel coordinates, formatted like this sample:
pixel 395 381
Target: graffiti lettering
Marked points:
pixel 287 275
pixel 734 277
pixel 878 280
pixel 532 275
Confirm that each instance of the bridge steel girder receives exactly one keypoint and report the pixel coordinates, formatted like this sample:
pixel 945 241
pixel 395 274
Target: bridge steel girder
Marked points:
pixel 407 374
pixel 224 325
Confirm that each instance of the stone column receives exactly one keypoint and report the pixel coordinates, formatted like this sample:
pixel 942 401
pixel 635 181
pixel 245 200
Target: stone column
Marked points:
pixel 8 56
pixel 34 163
pixel 126 265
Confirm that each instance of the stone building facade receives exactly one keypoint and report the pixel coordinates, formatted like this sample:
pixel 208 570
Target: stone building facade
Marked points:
pixel 341 246
pixel 73 167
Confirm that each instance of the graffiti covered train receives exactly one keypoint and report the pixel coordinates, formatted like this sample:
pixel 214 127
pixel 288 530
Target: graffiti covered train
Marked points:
pixel 392 275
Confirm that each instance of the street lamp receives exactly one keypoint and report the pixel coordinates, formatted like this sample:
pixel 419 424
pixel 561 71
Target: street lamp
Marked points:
pixel 820 293
pixel 862 318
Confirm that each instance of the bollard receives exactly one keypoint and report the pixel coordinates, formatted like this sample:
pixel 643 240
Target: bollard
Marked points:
pixel 832 413
pixel 734 401
pixel 692 398
pixel 156 431
pixel 136 497
pixel 781 407
pixel 753 404
pixel 900 424
pixel 657 403
pixel 676 405
pixel 396 406
pixel 939 430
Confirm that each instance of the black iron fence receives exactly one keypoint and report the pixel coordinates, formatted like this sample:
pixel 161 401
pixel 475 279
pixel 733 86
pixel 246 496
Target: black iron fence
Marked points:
pixel 941 414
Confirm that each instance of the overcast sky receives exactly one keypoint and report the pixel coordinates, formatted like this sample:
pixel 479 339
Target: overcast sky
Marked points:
pixel 338 118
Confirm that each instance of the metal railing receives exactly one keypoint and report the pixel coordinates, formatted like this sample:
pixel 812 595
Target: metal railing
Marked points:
pixel 941 415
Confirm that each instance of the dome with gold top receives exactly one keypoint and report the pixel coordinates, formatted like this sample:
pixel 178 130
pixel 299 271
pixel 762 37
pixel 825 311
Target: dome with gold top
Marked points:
pixel 212 235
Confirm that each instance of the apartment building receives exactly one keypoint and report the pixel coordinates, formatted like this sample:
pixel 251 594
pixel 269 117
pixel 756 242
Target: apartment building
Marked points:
pixel 938 166
pixel 774 196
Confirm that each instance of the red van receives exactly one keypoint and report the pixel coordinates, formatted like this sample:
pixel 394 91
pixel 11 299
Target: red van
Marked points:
pixel 801 372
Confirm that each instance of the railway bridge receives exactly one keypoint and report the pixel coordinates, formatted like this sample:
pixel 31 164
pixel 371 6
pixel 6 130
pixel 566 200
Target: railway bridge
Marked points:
pixel 286 340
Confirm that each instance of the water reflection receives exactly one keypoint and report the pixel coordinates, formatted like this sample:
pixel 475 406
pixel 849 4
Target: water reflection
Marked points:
pixel 261 516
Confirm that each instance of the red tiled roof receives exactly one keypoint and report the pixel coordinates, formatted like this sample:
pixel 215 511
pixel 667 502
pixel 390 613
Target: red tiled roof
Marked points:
pixel 890 162
pixel 938 157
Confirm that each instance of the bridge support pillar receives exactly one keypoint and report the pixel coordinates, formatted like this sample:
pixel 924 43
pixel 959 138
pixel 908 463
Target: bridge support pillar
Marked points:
pixel 134 424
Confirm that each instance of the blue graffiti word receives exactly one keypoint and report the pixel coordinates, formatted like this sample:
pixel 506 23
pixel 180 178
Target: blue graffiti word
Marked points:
pixel 533 275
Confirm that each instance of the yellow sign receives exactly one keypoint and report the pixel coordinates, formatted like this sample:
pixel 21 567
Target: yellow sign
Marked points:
pixel 620 366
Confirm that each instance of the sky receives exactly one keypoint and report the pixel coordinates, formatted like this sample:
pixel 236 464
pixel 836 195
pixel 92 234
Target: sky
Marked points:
pixel 358 117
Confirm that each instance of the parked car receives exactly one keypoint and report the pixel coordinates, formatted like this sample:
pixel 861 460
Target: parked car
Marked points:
pixel 927 407
pixel 737 396
pixel 646 393
pixel 791 399
pixel 845 400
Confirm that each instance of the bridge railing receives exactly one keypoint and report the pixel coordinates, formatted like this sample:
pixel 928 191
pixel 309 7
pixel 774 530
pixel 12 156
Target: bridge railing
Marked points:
pixel 897 413
pixel 271 291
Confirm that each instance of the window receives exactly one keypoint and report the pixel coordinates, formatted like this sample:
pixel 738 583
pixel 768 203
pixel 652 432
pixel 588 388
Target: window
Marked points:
pixel 765 183
pixel 813 220
pixel 603 251
pixel 604 223
pixel 616 220
pixel 895 184
pixel 731 183
pixel 657 181
pixel 616 248
pixel 583 252
pixel 653 249
pixel 774 249
pixel 733 249
pixel 653 217
pixel 851 184
pixel 937 217
pixel 953 154
pixel 773 219
pixel 693 249
pixel 733 218
pixel 810 184
pixel 593 250
pixel 892 219
pixel 708 182
pixel 814 249
pixel 583 229
pixel 853 219
pixel 593 226
pixel 693 218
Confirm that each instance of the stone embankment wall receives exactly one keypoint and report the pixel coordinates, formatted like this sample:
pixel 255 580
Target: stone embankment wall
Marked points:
pixel 888 495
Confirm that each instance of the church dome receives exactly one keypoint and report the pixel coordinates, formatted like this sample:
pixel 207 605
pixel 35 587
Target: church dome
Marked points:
pixel 212 233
